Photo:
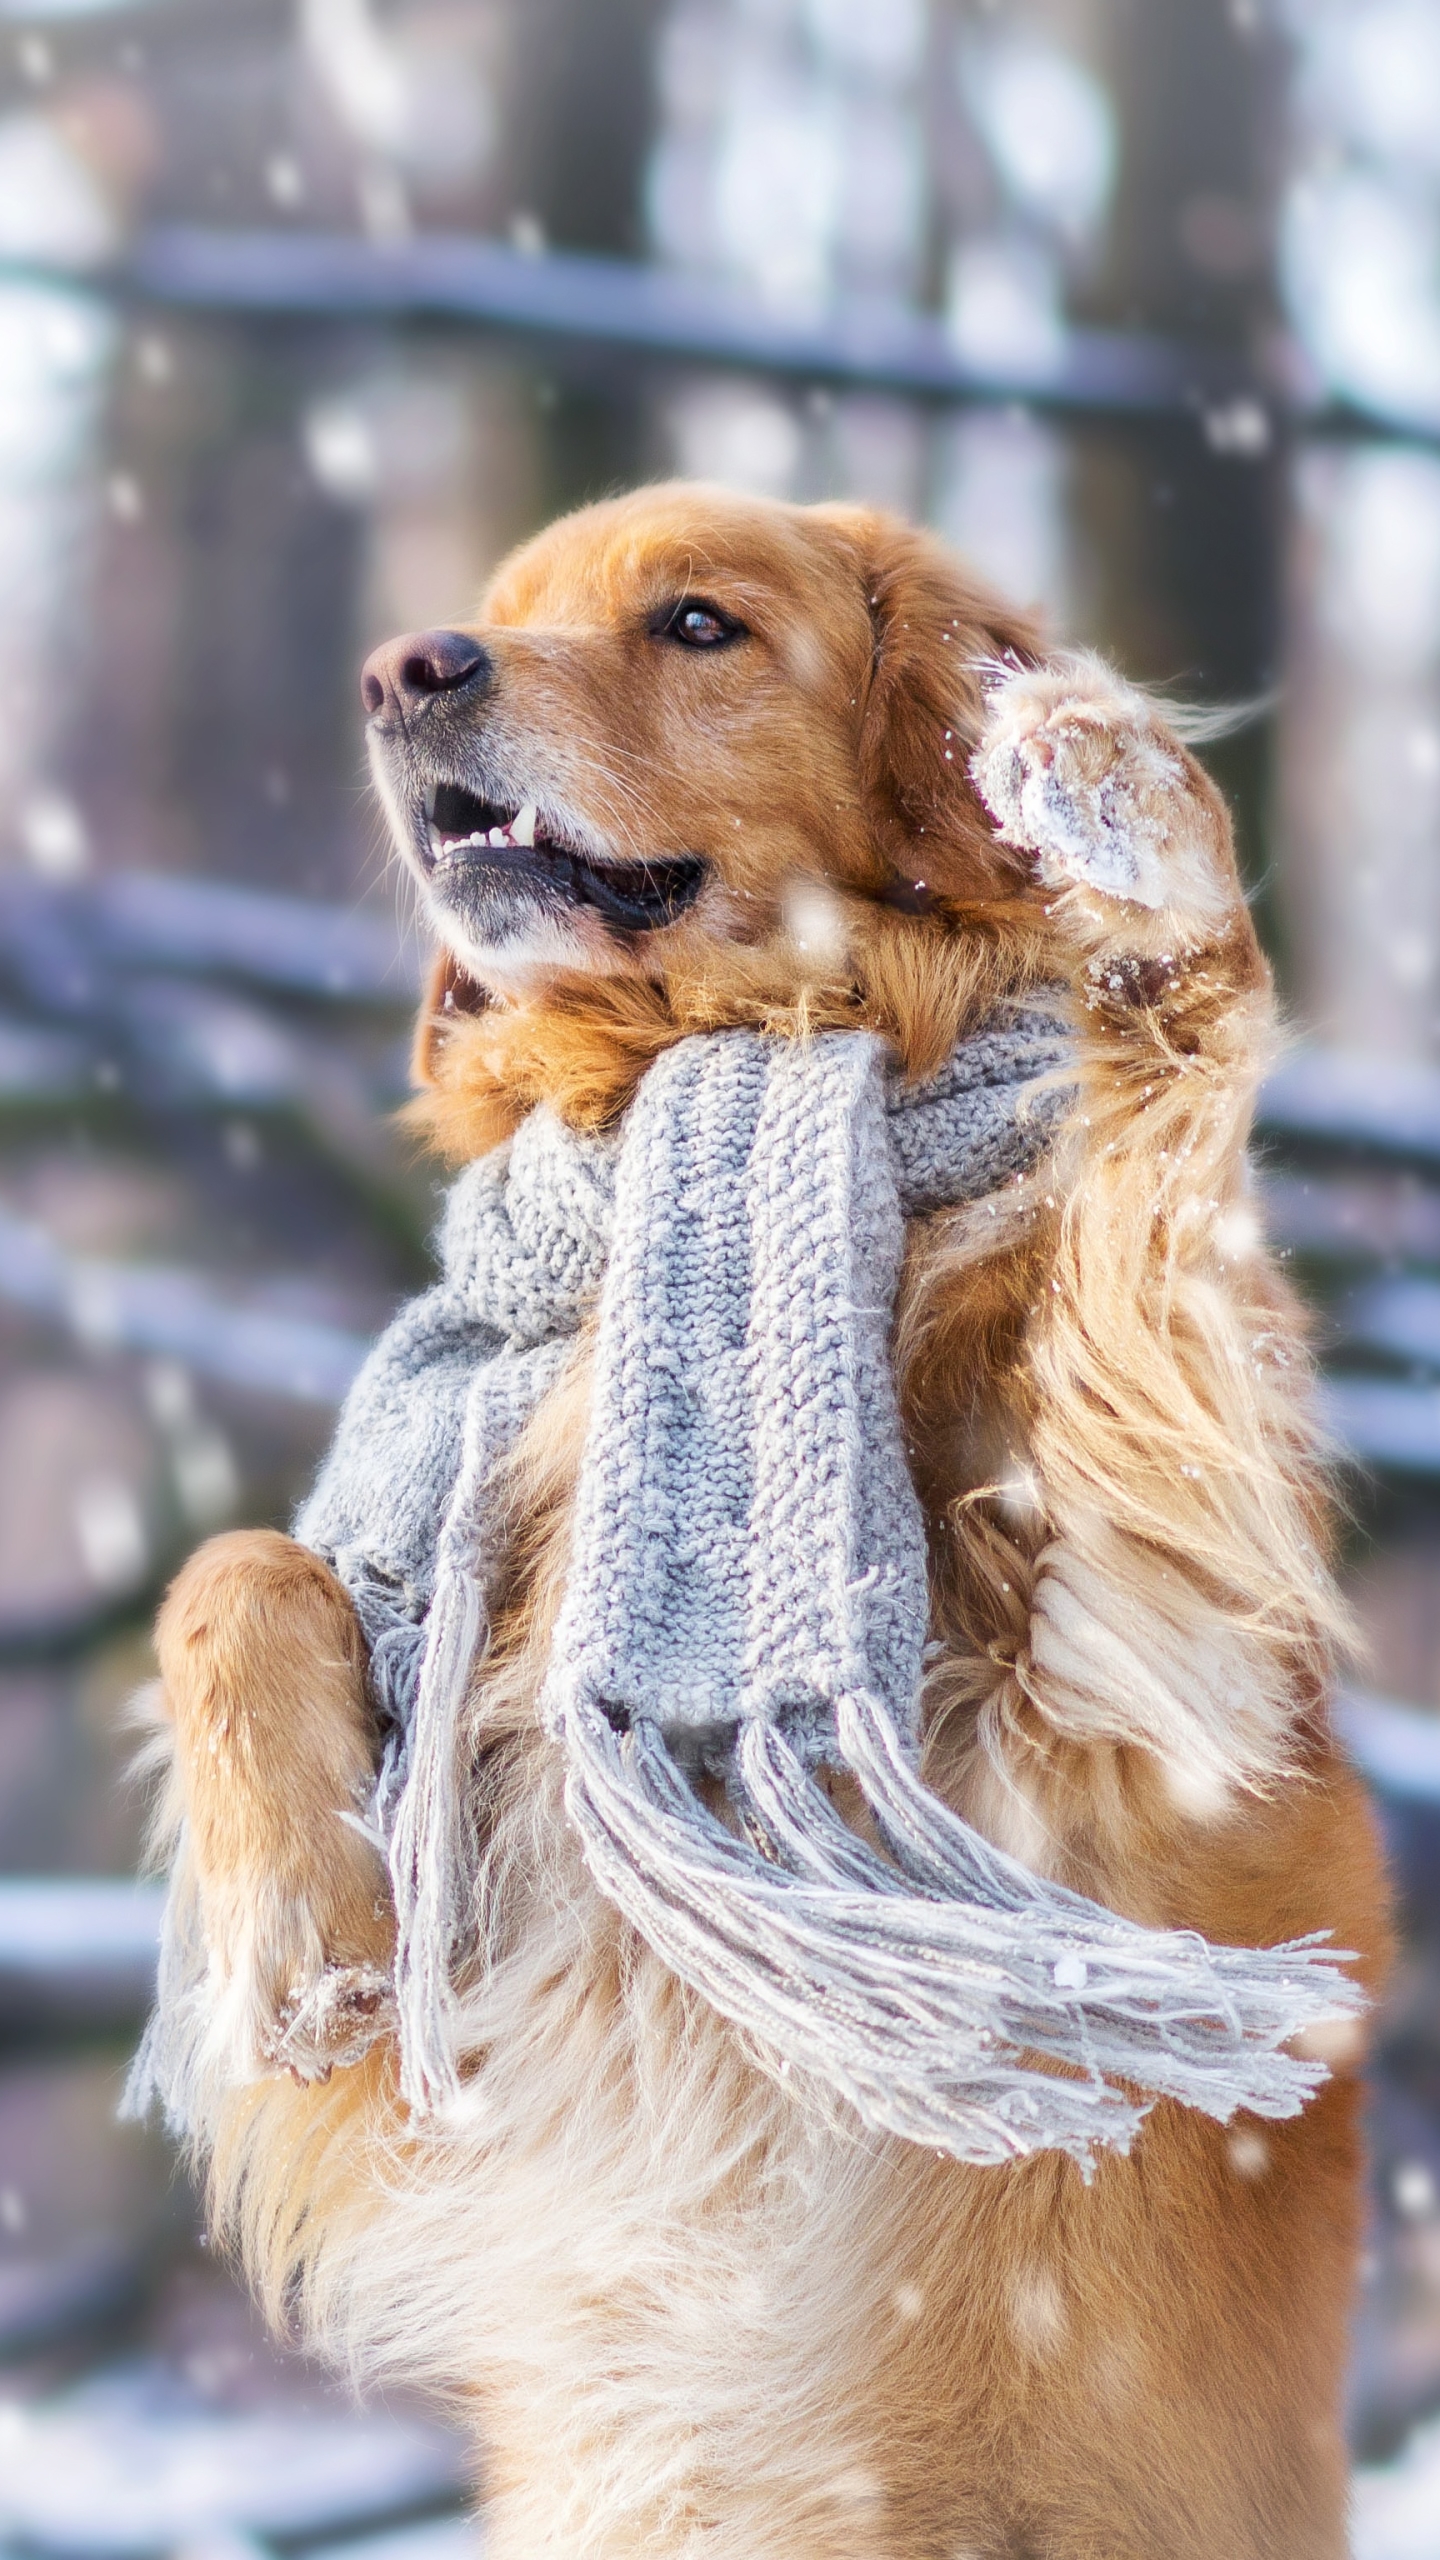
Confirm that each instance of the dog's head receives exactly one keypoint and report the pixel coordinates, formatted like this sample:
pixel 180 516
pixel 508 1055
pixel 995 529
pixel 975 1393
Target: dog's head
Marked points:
pixel 699 752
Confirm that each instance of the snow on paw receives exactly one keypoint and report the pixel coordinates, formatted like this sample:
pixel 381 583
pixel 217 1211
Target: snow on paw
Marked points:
pixel 1077 769
pixel 331 2020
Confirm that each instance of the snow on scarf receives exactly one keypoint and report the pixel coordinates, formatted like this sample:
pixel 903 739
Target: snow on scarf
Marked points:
pixel 747 1598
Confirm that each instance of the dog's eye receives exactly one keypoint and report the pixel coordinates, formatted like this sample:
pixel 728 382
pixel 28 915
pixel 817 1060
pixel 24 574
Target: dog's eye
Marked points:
pixel 696 625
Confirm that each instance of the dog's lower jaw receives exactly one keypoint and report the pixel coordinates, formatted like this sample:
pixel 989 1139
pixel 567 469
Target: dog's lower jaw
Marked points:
pixel 535 947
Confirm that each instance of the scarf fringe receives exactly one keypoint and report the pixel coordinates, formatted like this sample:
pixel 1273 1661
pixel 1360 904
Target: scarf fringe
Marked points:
pixel 927 2009
pixel 421 1795
pixel 429 1869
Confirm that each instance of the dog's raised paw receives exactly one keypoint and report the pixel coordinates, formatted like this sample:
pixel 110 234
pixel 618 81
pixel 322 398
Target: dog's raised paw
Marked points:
pixel 331 2021
pixel 1077 769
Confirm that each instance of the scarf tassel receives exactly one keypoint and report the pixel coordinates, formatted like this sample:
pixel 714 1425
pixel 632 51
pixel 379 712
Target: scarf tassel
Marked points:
pixel 937 1993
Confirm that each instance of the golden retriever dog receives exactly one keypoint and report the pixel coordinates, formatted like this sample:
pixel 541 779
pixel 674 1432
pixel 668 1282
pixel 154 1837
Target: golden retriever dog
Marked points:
pixel 791 767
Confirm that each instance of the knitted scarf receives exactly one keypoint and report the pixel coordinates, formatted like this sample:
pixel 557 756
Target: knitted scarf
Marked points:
pixel 746 1607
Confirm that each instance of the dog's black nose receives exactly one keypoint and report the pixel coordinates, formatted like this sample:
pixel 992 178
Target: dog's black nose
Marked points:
pixel 405 672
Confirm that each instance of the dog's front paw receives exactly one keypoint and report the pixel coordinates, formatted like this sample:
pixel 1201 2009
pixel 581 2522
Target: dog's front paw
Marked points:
pixel 292 1984
pixel 331 2020
pixel 1078 770
pixel 263 1667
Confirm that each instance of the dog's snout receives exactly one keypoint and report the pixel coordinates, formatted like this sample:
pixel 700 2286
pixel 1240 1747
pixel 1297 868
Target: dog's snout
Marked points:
pixel 403 673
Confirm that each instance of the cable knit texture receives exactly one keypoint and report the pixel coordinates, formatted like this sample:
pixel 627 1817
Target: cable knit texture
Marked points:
pixel 747 1598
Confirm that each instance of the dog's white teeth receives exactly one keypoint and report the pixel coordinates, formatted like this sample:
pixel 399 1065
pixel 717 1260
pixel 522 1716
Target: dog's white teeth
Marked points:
pixel 522 825
pixel 497 836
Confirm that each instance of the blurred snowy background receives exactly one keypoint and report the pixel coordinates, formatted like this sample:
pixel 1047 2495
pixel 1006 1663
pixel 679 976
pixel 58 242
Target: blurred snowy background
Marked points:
pixel 308 308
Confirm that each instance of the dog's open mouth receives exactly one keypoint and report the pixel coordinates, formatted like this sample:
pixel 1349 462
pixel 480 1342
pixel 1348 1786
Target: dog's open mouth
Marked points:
pixel 468 835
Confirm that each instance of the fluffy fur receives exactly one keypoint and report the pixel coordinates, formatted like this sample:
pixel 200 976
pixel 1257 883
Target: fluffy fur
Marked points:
pixel 691 2312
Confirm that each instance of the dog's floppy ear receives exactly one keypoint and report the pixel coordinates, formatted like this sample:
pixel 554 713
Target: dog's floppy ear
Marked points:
pixel 933 628
pixel 448 992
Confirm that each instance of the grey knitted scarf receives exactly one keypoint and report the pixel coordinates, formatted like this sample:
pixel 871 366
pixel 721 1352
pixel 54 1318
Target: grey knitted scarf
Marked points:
pixel 747 1607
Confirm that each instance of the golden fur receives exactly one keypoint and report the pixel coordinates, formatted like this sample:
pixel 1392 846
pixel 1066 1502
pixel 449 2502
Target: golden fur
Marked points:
pixel 689 2311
